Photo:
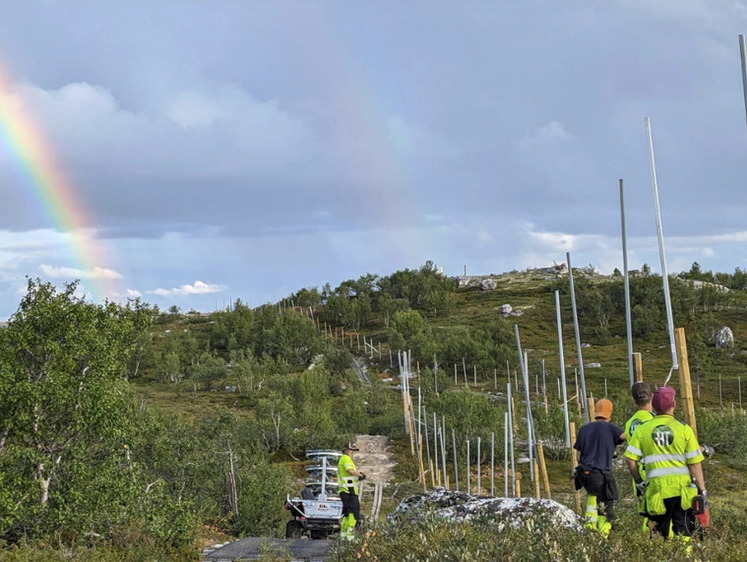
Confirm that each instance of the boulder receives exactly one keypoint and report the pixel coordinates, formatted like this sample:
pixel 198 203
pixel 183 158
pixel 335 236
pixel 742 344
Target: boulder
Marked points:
pixel 592 365
pixel 488 284
pixel 460 507
pixel 724 337
pixel 506 309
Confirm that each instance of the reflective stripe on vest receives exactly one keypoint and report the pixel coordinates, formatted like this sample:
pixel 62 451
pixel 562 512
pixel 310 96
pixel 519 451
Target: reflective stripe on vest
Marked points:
pixel 662 458
pixel 693 454
pixel 672 471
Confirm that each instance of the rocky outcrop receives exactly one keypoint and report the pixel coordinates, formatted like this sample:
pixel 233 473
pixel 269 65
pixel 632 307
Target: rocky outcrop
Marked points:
pixel 459 507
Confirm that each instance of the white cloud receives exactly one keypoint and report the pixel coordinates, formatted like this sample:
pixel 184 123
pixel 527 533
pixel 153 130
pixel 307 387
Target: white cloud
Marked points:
pixel 550 133
pixel 197 288
pixel 56 272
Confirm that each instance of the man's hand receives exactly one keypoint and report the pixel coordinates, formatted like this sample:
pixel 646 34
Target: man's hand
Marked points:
pixel 640 487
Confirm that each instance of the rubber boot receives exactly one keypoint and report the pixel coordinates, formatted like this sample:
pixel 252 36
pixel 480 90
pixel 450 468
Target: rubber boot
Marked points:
pixel 604 526
pixel 592 515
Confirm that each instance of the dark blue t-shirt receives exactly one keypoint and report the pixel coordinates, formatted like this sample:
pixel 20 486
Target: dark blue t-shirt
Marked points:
pixel 596 442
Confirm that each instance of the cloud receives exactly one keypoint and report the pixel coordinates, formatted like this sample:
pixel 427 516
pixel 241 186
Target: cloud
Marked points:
pixel 550 133
pixel 56 272
pixel 197 288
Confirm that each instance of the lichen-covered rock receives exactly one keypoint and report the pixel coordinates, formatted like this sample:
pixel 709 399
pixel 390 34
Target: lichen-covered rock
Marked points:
pixel 460 506
pixel 724 337
pixel 488 284
pixel 506 309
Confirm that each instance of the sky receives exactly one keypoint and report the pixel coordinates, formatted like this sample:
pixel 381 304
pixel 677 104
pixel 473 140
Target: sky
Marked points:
pixel 191 153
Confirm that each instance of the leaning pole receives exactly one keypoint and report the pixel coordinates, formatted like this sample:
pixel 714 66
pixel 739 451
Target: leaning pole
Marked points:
pixel 662 253
pixel 562 371
pixel 743 54
pixel 576 331
pixel 628 320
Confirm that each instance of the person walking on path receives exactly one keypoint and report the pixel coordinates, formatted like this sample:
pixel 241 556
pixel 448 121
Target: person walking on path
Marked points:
pixel 673 459
pixel 596 442
pixel 347 478
pixel 642 394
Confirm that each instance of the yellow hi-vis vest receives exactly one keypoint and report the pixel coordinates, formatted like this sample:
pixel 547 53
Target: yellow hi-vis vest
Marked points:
pixel 666 447
pixel 641 416
pixel 348 484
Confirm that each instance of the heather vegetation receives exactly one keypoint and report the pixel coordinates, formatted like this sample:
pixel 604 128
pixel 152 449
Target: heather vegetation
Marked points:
pixel 127 432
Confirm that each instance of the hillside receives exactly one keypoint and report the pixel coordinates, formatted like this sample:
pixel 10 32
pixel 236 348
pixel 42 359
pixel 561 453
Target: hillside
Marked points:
pixel 224 405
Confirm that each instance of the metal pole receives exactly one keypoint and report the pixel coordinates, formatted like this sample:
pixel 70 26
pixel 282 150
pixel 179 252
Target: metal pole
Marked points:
pixel 443 447
pixel 427 444
pixel 743 53
pixel 495 379
pixel 628 320
pixel 662 255
pixel 505 454
pixel 562 370
pixel 479 469
pixel 576 330
pixel 456 464
pixel 469 489
pixel 525 379
pixel 435 447
pixel 492 461
pixel 511 441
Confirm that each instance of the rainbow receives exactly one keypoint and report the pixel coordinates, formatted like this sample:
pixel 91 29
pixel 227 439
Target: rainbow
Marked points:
pixel 23 139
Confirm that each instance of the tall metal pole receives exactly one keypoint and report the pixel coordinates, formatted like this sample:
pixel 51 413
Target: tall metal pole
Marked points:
pixel 662 254
pixel 525 379
pixel 469 489
pixel 511 440
pixel 456 464
pixel 435 447
pixel 562 371
pixel 505 454
pixel 743 53
pixel 584 407
pixel 443 447
pixel 628 321
pixel 492 456
pixel 479 469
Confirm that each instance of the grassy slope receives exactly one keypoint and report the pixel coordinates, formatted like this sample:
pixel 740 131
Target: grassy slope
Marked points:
pixel 539 337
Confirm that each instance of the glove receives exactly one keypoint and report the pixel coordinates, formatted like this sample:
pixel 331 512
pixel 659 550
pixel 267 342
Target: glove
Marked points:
pixel 640 487
pixel 361 476
pixel 707 450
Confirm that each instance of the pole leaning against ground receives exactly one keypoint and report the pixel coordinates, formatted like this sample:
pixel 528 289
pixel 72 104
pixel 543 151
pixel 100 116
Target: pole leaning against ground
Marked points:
pixel 576 331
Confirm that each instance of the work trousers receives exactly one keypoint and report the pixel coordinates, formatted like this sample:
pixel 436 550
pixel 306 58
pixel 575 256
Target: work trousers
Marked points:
pixel 682 520
pixel 351 504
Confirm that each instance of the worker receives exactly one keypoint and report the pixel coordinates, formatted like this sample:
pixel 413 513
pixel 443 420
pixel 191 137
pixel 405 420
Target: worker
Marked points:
pixel 596 444
pixel 347 478
pixel 642 394
pixel 673 459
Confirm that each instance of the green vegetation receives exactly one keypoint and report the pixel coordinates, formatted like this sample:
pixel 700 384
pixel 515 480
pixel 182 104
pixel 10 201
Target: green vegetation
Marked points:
pixel 127 433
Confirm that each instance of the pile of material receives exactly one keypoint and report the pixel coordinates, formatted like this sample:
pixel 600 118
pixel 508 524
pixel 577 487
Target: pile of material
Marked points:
pixel 459 506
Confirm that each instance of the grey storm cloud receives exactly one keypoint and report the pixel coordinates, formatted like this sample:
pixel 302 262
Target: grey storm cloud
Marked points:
pixel 253 148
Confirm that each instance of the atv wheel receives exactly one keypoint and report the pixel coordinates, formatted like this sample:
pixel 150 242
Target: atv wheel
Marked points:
pixel 293 529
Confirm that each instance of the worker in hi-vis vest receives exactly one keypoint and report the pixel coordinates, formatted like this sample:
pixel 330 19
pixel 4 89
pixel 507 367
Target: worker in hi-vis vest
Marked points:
pixel 347 479
pixel 642 394
pixel 673 460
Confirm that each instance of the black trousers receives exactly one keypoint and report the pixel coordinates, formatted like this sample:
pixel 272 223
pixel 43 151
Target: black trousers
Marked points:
pixel 683 520
pixel 599 483
pixel 351 504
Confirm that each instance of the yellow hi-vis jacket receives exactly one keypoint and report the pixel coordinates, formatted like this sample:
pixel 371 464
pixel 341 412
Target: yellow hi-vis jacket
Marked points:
pixel 348 484
pixel 641 416
pixel 666 447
